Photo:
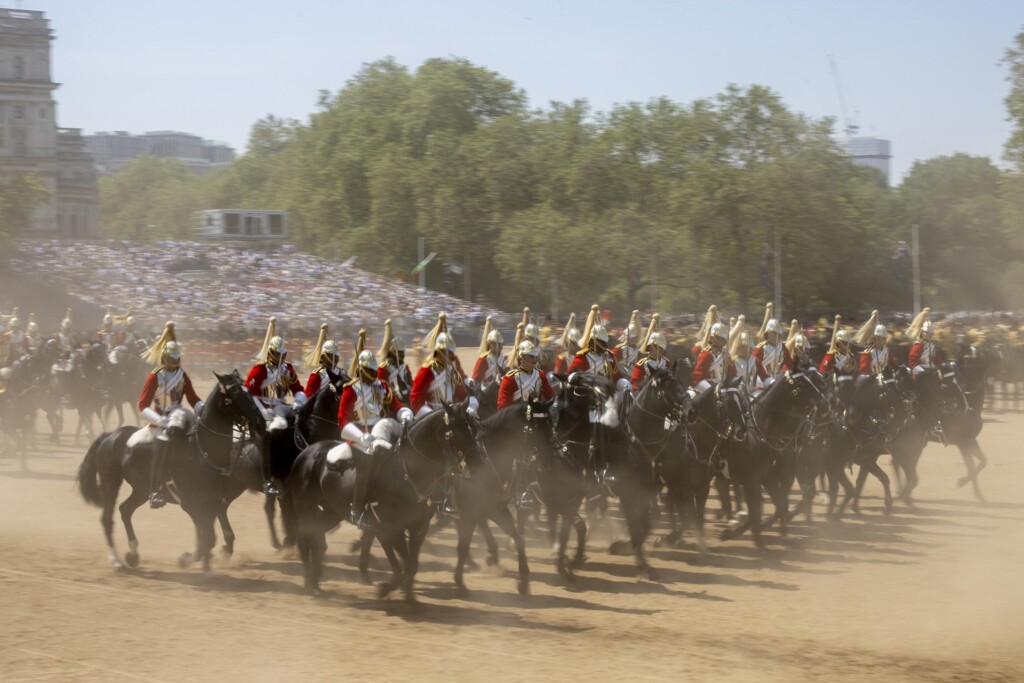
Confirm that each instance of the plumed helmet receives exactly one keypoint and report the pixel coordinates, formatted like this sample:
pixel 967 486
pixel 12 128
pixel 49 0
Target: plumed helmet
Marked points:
pixel 398 344
pixel 129 322
pixel 880 331
pixel 108 319
pixel 33 327
pixel 277 345
pixel 573 335
pixel 495 337
pixel 527 348
pixel 773 326
pixel 927 327
pixel 366 360
pixel 444 342
pixel 14 323
pixel 598 332
pixel 843 336
pixel 531 332
pixel 744 341
pixel 172 349
pixel 330 348
pixel 658 339
pixel 800 341
pixel 719 330
pixel 65 324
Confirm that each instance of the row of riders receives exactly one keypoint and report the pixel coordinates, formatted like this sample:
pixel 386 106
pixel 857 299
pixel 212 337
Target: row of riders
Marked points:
pixel 383 448
pixel 90 373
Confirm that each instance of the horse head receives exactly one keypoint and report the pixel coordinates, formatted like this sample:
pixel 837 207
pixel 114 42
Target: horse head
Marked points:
pixel 231 400
pixel 663 393
pixel 732 408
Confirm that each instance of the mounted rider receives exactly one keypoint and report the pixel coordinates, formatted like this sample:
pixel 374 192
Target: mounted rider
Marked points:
pixel 66 337
pixel 160 405
pixel 877 358
pixel 713 364
pixel 33 340
pixel 270 381
pixel 570 346
pixel 440 379
pixel 627 352
pixel 770 354
pixel 651 355
pixel 594 356
pixel 490 364
pixel 367 414
pixel 839 358
pixel 710 318
pixel 924 355
pixel 741 352
pixel 392 368
pixel 798 350
pixel 525 382
pixel 128 336
pixel 107 334
pixel 324 357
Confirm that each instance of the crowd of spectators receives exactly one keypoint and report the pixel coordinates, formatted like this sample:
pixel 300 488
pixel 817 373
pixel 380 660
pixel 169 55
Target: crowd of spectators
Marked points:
pixel 229 292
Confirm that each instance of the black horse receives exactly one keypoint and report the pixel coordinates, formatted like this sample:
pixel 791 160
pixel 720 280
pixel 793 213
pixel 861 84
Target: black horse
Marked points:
pixel 80 383
pixel 316 420
pixel 649 422
pixel 718 417
pixel 781 422
pixel 198 462
pixel 124 372
pixel 405 485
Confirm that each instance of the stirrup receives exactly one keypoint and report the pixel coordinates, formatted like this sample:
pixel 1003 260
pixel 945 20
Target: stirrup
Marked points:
pixel 269 488
pixel 526 501
pixel 606 477
pixel 448 507
pixel 362 520
pixel 156 501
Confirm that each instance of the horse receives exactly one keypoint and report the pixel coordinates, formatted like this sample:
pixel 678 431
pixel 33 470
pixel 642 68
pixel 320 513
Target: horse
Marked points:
pixel 781 420
pixel 566 474
pixel 647 434
pixel 197 461
pixel 718 416
pixel 405 485
pixel 316 420
pixel 80 383
pixel 515 439
pixel 125 370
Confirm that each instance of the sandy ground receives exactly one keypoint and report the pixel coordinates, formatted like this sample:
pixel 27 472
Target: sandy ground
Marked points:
pixel 926 594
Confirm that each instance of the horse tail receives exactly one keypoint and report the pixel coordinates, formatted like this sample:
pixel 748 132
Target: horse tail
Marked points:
pixel 88 474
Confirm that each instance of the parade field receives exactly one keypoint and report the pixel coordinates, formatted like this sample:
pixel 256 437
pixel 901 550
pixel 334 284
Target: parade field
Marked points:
pixel 930 593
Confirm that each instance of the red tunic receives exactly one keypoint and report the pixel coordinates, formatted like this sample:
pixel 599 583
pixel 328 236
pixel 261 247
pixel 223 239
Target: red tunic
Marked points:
pixel 152 385
pixel 389 405
pixel 917 350
pixel 758 354
pixel 562 364
pixel 866 360
pixel 480 370
pixel 421 384
pixel 509 392
pixel 581 363
pixel 828 363
pixel 702 370
pixel 258 377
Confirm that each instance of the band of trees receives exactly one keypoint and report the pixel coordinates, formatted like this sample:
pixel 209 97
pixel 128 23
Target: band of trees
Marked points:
pixel 564 205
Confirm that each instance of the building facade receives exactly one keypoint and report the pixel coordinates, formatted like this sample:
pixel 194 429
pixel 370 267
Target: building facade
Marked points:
pixel 31 141
pixel 113 150
pixel 872 152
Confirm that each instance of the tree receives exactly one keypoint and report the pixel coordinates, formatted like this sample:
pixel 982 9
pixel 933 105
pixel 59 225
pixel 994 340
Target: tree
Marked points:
pixel 18 199
pixel 1014 60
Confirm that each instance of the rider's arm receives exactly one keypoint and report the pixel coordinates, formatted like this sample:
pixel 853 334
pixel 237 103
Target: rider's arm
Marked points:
pixel 148 392
pixel 254 380
pixel 190 392
pixel 507 391
pixel 313 383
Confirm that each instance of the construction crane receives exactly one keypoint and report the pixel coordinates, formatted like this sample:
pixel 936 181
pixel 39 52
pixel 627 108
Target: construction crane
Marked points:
pixel 850 126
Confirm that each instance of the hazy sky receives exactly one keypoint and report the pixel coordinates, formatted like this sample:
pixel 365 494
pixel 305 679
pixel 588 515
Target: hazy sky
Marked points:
pixel 925 75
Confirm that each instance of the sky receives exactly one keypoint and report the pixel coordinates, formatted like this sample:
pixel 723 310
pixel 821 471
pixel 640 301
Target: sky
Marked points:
pixel 925 75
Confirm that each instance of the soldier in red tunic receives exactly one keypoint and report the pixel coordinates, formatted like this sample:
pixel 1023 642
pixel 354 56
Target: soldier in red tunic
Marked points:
pixel 270 380
pixel 392 368
pixel 839 358
pixel 594 356
pixel 324 358
pixel 652 355
pixel 526 382
pixel 160 404
pixel 366 414
pixel 710 318
pixel 440 379
pixel 876 359
pixel 713 363
pixel 490 365
pixel 627 352
pixel 770 354
pixel 570 346
pixel 924 355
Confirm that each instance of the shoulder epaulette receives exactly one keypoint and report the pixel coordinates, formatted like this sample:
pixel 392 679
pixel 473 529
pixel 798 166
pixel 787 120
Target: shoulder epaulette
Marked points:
pixel 582 352
pixel 512 373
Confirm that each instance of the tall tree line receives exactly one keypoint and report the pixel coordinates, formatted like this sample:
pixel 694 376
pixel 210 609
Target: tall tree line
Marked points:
pixel 661 204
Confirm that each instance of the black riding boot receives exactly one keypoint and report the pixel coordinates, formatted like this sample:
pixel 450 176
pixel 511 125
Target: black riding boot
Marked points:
pixel 364 465
pixel 156 474
pixel 268 477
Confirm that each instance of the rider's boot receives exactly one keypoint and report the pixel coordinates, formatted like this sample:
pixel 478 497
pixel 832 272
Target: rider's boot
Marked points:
pixel 268 477
pixel 364 465
pixel 156 473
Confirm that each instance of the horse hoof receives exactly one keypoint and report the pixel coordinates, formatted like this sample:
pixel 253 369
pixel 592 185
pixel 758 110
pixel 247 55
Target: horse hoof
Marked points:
pixel 649 574
pixel 364 578
pixel 185 560
pixel 131 558
pixel 578 561
pixel 620 548
pixel 524 587
pixel 385 588
pixel 472 566
pixel 227 551
pixel 316 592
pixel 277 545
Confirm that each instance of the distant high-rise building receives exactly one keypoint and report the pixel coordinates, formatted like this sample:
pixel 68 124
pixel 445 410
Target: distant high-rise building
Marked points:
pixel 113 150
pixel 872 152
pixel 31 141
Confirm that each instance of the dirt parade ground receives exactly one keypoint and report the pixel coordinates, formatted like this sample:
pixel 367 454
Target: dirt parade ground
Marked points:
pixel 933 593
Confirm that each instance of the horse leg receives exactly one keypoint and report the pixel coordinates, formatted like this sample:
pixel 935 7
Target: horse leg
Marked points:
pixel 417 536
pixel 464 526
pixel 107 520
pixel 392 540
pixel 138 496
pixel 269 504
pixel 724 496
pixel 974 450
pixel 492 545
pixel 503 518
pixel 225 528
pixel 862 475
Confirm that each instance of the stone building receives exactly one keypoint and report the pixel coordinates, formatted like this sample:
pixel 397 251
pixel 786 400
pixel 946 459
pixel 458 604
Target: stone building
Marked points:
pixel 30 139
